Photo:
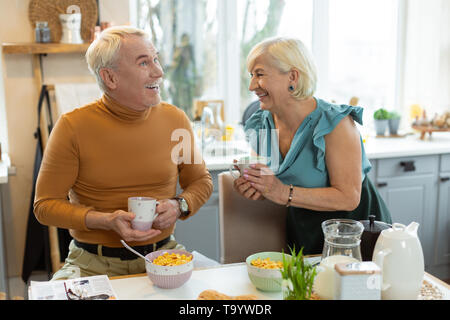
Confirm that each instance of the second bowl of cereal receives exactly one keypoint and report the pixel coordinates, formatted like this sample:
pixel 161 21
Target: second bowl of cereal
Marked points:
pixel 169 268
pixel 264 270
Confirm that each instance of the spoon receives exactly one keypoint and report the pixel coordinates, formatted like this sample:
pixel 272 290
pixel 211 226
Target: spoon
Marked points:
pixel 134 251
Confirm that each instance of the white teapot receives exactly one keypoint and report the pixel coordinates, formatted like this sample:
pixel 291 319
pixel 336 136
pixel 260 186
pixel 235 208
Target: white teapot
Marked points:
pixel 399 254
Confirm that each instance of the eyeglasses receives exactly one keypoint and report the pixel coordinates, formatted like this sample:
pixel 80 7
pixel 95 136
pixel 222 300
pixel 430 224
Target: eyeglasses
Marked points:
pixel 72 295
pixel 81 294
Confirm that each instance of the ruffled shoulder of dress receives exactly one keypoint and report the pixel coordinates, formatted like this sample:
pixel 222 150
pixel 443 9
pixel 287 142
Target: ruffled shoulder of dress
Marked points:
pixel 257 120
pixel 329 117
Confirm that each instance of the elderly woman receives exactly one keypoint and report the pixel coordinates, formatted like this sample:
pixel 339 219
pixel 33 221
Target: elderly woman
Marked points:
pixel 317 165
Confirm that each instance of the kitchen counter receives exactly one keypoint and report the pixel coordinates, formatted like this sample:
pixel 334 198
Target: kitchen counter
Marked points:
pixel 411 145
pixel 376 148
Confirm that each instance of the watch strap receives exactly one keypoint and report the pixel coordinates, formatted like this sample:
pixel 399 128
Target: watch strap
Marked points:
pixel 184 213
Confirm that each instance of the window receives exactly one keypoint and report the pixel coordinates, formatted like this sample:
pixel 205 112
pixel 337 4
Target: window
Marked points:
pixel 363 53
pixel 185 33
pixel 362 48
pixel 267 18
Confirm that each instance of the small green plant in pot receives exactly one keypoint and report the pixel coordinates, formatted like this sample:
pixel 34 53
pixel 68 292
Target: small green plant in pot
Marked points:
pixel 297 277
pixel 394 122
pixel 381 117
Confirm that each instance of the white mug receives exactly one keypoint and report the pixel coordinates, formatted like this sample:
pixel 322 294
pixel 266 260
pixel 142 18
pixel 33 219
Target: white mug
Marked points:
pixel 244 163
pixel 145 210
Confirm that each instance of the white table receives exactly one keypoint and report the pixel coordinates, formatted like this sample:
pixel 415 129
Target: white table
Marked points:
pixel 230 279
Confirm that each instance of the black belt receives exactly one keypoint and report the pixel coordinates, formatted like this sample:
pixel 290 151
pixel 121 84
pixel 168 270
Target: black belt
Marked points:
pixel 122 253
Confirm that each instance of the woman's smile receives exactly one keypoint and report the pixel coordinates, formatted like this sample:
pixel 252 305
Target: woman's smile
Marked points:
pixel 262 95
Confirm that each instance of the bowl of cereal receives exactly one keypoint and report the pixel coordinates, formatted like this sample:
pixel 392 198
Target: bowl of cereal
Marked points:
pixel 169 269
pixel 264 270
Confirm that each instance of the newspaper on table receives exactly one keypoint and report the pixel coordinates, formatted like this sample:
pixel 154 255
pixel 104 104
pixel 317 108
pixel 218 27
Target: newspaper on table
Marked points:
pixel 85 288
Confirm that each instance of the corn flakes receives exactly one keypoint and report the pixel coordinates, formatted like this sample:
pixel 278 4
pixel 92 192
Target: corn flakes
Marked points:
pixel 173 259
pixel 266 263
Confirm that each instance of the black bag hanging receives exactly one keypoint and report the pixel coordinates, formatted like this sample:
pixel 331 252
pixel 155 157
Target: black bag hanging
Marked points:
pixel 37 248
pixel 37 245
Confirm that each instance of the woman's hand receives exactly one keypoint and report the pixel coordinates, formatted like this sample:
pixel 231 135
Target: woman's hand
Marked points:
pixel 244 188
pixel 263 180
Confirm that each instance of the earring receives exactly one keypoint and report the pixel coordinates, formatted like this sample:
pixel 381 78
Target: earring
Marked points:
pixel 291 88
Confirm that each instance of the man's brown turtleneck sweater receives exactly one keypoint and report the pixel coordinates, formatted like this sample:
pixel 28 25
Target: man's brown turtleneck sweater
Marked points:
pixel 103 153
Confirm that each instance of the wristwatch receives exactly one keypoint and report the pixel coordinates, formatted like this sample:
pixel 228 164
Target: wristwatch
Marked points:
pixel 184 208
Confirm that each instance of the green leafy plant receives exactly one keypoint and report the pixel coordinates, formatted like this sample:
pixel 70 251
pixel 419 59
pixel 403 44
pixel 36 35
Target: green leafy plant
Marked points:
pixel 381 114
pixel 394 115
pixel 297 276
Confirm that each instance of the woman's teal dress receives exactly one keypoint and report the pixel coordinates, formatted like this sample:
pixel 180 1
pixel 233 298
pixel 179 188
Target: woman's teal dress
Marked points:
pixel 305 166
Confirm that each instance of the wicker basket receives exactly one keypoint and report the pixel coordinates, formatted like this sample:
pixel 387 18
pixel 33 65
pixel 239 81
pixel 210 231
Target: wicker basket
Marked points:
pixel 49 10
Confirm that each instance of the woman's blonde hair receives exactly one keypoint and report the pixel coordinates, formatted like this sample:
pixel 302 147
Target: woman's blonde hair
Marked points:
pixel 103 51
pixel 287 54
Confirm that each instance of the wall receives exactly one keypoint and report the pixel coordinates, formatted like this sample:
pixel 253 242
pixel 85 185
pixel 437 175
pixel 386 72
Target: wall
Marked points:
pixel 117 11
pixel 3 125
pixel 20 97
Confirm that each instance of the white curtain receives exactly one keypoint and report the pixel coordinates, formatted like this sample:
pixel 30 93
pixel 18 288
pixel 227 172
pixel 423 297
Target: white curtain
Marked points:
pixel 427 56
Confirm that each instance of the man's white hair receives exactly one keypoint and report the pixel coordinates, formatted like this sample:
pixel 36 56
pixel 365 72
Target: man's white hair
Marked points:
pixel 103 51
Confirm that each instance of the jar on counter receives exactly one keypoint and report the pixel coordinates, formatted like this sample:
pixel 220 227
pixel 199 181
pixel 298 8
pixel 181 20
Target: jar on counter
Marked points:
pixel 357 281
pixel 42 32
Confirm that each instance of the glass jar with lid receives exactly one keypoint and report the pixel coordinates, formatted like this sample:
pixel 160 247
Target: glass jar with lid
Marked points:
pixel 42 32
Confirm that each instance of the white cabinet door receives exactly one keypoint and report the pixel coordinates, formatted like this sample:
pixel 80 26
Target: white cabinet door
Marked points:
pixel 443 218
pixel 409 188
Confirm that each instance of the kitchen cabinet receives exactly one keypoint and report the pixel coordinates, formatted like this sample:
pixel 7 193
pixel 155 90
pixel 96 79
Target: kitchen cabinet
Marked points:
pixel 443 215
pixel 201 231
pixel 418 189
pixel 4 165
pixel 3 267
pixel 408 185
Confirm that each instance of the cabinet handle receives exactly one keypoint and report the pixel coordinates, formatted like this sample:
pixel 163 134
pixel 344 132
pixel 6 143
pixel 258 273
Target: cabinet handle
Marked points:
pixel 444 179
pixel 381 184
pixel 408 166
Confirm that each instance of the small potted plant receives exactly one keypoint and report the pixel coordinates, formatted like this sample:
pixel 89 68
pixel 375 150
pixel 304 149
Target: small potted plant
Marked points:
pixel 394 122
pixel 297 277
pixel 381 117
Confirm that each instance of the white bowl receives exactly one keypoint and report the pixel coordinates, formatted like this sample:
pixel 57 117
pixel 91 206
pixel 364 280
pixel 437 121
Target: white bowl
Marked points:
pixel 169 277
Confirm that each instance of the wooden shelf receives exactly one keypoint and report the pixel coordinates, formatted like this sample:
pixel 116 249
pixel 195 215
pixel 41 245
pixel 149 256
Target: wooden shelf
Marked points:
pixel 428 129
pixel 43 48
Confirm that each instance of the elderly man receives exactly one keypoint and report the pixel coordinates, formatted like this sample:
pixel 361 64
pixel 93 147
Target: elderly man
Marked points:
pixel 115 148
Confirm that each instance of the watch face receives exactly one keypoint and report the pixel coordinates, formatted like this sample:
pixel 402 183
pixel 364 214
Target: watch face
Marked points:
pixel 183 205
